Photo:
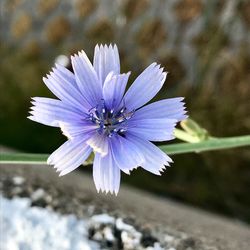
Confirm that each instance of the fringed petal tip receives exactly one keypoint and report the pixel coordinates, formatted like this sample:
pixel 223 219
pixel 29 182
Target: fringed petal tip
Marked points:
pixel 149 82
pixel 185 117
pixel 164 76
pixel 105 46
pixel 106 59
pixel 30 117
pixel 107 192
pixel 162 168
pixel 62 171
pixel 62 174
pixel 183 111
pixel 128 171
pixel 112 191
pixel 106 174
pixel 33 99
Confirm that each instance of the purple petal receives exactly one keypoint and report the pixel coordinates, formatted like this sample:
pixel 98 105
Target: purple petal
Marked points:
pixel 114 88
pixel 152 129
pixel 155 160
pixel 99 143
pixel 51 111
pixel 63 85
pixel 76 129
pixel 65 148
pixel 106 59
pixel 70 155
pixel 172 108
pixel 66 74
pixel 125 153
pixel 145 87
pixel 106 173
pixel 86 79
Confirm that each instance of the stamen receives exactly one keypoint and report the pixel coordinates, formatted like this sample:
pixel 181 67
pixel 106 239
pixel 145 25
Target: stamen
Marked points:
pixel 109 121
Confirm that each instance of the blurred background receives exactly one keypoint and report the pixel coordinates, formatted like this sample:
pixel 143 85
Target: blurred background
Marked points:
pixel 205 47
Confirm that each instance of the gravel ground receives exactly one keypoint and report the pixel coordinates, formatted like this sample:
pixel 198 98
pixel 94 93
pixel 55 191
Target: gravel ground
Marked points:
pixel 48 212
pixel 28 227
pixel 133 220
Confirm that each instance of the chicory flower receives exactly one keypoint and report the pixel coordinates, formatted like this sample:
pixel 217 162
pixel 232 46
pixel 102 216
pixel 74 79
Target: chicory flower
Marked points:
pixel 96 115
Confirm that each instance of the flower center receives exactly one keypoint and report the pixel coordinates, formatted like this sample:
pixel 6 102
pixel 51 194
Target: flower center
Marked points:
pixel 109 121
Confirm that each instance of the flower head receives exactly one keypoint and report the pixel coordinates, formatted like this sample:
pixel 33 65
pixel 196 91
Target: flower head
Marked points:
pixel 96 114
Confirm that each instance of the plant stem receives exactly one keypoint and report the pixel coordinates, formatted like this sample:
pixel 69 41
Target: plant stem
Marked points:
pixel 172 149
pixel 207 145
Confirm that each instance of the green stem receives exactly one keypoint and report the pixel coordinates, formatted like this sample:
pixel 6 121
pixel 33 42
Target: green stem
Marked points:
pixel 172 149
pixel 207 145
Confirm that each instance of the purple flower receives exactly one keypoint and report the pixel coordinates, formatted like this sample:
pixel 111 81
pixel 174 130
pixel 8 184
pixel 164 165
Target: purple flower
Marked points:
pixel 96 114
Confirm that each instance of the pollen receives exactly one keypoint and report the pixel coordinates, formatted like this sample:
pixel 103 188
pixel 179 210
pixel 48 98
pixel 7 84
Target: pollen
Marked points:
pixel 110 122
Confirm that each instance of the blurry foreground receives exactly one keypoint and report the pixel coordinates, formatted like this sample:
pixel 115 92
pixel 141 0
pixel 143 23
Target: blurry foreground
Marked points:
pixel 42 211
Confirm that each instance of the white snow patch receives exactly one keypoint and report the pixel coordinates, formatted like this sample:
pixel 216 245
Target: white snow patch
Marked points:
pixel 38 194
pixel 103 219
pixel 18 180
pixel 33 228
pixel 157 246
pixel 130 236
pixel 123 226
pixel 108 234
